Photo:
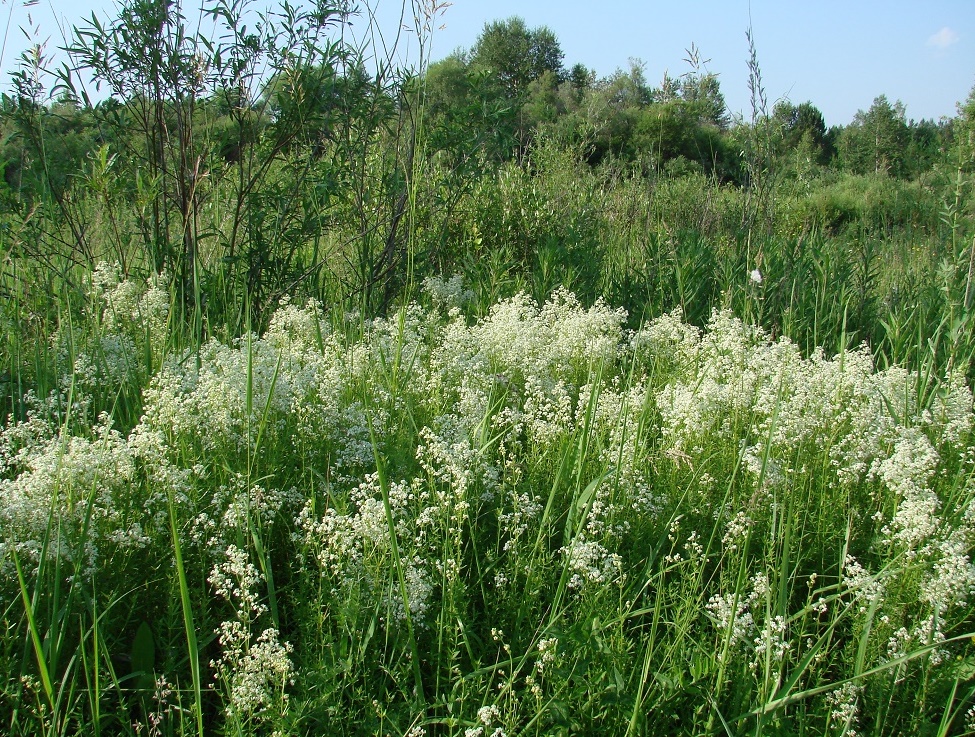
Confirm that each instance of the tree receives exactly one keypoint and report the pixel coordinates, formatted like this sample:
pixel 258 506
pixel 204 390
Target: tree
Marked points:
pixel 676 138
pixel 706 102
pixel 446 85
pixel 610 109
pixel 543 104
pixel 581 78
pixel 963 134
pixel 926 140
pixel 876 139
pixel 802 126
pixel 259 122
pixel 517 55
pixel 465 116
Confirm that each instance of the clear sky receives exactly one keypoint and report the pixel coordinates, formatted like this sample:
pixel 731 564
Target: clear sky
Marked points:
pixel 838 55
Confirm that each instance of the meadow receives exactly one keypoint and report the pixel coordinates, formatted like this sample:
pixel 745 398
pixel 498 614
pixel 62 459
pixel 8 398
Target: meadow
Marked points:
pixel 331 419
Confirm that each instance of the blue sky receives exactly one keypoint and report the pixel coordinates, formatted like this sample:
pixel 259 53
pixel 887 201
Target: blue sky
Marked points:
pixel 838 55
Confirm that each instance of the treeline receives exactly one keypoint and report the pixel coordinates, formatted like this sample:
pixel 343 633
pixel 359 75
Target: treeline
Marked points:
pixel 514 85
pixel 251 162
pixel 493 100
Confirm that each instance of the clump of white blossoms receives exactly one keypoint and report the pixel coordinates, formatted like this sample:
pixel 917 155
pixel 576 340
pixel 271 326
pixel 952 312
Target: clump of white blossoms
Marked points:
pixel 866 588
pixel 539 441
pixel 591 564
pixel 736 376
pixel 448 293
pixel 254 671
pixel 669 344
pixel 488 716
pixel 772 643
pixel 734 613
pixel 844 703
pixel 907 473
pixel 419 591
pixel 86 485
pixel 129 332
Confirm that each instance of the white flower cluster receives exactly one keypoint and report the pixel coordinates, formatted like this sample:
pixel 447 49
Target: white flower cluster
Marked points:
pixel 950 580
pixel 669 345
pixel 865 588
pixel 591 564
pixel 254 671
pixel 617 423
pixel 548 649
pixel 87 486
pixel 480 422
pixel 516 379
pixel 131 330
pixel 772 642
pixel 236 581
pixel 419 594
pixel 525 510
pixel 488 716
pixel 844 708
pixel 735 378
pixel 448 293
pixel 233 507
pixel 736 530
pixel 907 473
pixel 540 355
pixel 355 548
pixel 734 613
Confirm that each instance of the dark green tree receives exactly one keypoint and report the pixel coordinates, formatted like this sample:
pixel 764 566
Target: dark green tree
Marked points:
pixel 673 137
pixel 925 147
pixel 802 125
pixel 543 105
pixel 581 78
pixel 446 85
pixel 467 120
pixel 272 120
pixel 609 113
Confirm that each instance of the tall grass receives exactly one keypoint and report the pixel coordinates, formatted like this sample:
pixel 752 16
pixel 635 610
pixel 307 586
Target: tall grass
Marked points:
pixel 535 522
pixel 550 450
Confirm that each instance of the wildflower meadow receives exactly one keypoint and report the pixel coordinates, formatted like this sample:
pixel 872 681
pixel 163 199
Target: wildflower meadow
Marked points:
pixel 342 397
pixel 533 522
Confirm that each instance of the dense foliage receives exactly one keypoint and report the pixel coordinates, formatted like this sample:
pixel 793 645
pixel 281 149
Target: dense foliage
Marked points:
pixel 486 398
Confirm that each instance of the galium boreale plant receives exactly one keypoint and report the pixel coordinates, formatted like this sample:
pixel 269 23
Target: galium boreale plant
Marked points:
pixel 529 522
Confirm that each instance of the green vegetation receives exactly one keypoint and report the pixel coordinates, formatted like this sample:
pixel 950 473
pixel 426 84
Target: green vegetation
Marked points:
pixel 487 398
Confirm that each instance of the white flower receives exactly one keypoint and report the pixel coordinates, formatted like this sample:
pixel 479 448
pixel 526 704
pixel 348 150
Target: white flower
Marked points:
pixel 255 672
pixel 591 563
pixel 488 715
pixel 864 587
pixel 732 612
pixel 844 706
pixel 755 276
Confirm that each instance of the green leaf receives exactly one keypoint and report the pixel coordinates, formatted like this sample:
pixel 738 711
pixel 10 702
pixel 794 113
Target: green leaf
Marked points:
pixel 144 657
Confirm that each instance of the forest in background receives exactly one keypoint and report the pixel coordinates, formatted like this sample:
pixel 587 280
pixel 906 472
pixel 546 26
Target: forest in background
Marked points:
pixel 279 158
